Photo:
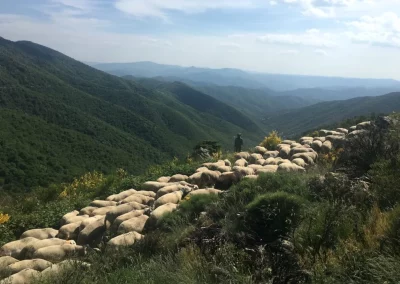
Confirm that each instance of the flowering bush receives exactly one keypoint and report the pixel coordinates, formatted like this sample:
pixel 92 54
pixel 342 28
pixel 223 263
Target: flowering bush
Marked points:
pixel 271 141
pixel 86 183
pixel 4 218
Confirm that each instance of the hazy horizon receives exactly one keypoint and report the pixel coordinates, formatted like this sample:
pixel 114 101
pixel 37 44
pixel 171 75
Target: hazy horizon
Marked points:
pixel 332 38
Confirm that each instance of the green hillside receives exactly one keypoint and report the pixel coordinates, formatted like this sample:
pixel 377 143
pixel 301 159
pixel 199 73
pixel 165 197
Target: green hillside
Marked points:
pixel 295 122
pixel 61 118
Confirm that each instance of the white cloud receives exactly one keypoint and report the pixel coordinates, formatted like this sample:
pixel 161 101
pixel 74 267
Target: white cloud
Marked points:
pixel 273 3
pixel 289 52
pixel 381 30
pixel 321 52
pixel 159 8
pixel 312 37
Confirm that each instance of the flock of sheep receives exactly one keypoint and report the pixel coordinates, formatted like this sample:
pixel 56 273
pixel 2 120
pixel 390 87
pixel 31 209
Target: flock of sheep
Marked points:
pixel 124 216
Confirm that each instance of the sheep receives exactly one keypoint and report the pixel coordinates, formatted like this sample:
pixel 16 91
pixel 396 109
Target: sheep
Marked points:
pixel 92 233
pixel 326 147
pixel 59 252
pixel 205 191
pixel 337 141
pixel 125 240
pixel 118 221
pixel 28 251
pixel 102 203
pixel 223 169
pixel 87 210
pixel 36 264
pixel 179 177
pixel 135 224
pixel 58 268
pixel 302 139
pixel 206 178
pixel 14 248
pixel 139 198
pixel 163 179
pixel 297 150
pixel 242 155
pixel 243 171
pixel 322 139
pixel 157 213
pixel 309 157
pixel 356 133
pixel 364 125
pixel 290 167
pixel 154 186
pixel 241 163
pixel 69 231
pixel 352 128
pixel 147 193
pixel 120 196
pixel 255 167
pixel 316 145
pixel 271 154
pixel 254 158
pixel 227 163
pixel 173 188
pixel 300 162
pixel 271 161
pixel 173 197
pixel 342 130
pixel 251 177
pixel 201 169
pixel 260 162
pixel 285 152
pixel 260 150
pixel 65 218
pixel 40 234
pixel 288 142
pixel 78 218
pixel 101 211
pixel 281 161
pixel 121 210
pixel 89 220
pixel 6 260
pixel 25 276
pixel 267 169
pixel 226 180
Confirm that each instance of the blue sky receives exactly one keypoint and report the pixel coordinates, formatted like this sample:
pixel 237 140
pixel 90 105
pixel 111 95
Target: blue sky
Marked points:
pixel 349 38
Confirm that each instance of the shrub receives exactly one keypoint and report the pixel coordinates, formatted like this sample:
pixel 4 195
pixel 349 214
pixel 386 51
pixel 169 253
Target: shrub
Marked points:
pixel 271 141
pixel 273 215
pixel 385 176
pixel 393 232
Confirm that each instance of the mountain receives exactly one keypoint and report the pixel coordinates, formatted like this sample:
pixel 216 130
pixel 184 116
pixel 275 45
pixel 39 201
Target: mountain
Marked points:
pixel 60 118
pixel 240 78
pixel 335 94
pixel 254 103
pixel 294 122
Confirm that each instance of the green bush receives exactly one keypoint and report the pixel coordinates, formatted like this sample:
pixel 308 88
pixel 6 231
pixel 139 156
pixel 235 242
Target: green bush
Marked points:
pixel 385 182
pixel 393 233
pixel 273 215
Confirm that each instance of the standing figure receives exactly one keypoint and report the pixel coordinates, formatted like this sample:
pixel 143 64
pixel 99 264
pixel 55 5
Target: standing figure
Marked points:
pixel 238 143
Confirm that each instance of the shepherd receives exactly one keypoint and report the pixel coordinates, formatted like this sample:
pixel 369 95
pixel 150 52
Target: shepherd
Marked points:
pixel 238 143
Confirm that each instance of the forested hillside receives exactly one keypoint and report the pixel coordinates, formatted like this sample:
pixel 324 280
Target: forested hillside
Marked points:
pixel 61 118
pixel 294 122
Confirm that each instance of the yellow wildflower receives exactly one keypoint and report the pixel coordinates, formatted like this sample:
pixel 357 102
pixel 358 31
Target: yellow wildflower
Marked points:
pixel 4 218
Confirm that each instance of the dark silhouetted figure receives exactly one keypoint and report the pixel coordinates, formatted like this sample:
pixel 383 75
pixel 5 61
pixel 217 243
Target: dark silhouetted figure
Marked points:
pixel 238 143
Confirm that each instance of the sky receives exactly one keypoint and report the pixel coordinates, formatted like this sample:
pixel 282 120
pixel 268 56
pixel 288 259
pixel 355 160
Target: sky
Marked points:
pixel 347 38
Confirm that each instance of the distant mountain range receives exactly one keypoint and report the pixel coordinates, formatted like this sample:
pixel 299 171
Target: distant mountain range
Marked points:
pixel 240 78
